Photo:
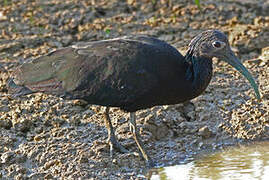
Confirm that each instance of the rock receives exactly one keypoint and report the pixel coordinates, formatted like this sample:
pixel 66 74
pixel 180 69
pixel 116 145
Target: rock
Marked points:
pixel 67 40
pixel 51 163
pixel 205 132
pixel 166 37
pixel 156 127
pixel 83 159
pixel 4 109
pixel 188 110
pixel 2 69
pixel 22 125
pixel 183 125
pixel 2 16
pixel 55 44
pixel 37 175
pixel 7 156
pixel 5 123
pixel 264 56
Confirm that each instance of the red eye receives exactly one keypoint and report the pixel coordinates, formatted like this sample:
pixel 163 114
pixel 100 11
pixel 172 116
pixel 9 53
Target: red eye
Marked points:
pixel 216 44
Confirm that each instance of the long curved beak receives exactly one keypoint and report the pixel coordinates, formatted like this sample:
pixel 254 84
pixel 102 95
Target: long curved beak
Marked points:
pixel 231 59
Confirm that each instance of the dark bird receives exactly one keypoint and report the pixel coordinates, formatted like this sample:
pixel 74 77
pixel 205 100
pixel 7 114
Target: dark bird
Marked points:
pixel 131 73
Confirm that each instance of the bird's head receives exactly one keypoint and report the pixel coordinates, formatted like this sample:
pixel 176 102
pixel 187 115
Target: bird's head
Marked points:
pixel 213 43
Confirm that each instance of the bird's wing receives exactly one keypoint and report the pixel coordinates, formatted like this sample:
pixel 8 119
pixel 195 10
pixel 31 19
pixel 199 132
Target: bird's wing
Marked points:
pixel 114 68
pixel 122 73
pixel 56 71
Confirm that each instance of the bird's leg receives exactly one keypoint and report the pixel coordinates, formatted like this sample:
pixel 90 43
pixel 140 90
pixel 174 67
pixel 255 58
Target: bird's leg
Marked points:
pixel 133 129
pixel 113 143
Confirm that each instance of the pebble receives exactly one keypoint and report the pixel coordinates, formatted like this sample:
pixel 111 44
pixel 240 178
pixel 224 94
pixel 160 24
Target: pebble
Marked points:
pixel 166 37
pixel 2 16
pixel 22 125
pixel 5 123
pixel 7 156
pixel 205 132
pixel 4 109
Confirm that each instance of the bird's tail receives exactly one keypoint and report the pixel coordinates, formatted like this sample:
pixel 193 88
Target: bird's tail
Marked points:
pixel 15 90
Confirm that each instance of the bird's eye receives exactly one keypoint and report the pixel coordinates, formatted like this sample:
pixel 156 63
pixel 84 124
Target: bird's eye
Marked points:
pixel 217 44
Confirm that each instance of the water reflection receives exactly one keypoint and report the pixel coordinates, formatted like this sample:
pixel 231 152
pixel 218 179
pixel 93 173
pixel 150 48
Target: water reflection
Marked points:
pixel 245 162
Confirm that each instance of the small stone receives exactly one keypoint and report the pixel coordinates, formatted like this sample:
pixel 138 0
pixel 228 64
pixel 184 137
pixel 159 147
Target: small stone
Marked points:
pixel 83 159
pixel 183 125
pixel 51 163
pixel 2 16
pixel 162 131
pixel 37 175
pixel 55 44
pixel 192 131
pixel 23 125
pixel 74 120
pixel 166 37
pixel 7 156
pixel 19 177
pixel 114 161
pixel 80 102
pixel 48 176
pixel 265 54
pixel 130 2
pixel 205 132
pixel 38 138
pixel 67 40
pixel 5 123
pixel 4 109
pixel 200 145
pixel 2 69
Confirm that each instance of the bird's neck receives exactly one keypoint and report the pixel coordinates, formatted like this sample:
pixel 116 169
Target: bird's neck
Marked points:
pixel 199 72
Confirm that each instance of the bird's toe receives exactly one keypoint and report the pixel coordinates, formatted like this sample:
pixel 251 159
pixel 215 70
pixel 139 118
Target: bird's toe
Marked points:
pixel 114 144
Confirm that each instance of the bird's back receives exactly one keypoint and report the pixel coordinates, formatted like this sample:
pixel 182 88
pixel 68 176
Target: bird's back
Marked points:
pixel 132 73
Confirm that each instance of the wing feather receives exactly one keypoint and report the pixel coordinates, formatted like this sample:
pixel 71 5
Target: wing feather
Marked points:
pixel 112 72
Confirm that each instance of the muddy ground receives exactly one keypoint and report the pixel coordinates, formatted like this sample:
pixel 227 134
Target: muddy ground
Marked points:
pixel 42 136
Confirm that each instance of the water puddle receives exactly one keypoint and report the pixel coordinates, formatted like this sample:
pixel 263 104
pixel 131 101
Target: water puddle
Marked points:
pixel 244 162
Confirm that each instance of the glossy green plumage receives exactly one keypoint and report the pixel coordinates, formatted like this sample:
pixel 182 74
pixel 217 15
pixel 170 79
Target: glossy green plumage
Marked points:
pixel 131 73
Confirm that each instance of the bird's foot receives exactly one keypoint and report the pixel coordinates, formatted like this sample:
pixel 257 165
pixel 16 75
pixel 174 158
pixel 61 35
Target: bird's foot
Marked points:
pixel 114 144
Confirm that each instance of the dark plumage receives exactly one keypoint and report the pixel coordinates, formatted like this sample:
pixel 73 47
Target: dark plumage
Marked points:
pixel 132 73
